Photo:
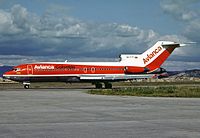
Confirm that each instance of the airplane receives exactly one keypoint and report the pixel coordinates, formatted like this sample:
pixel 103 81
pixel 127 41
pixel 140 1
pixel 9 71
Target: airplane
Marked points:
pixel 129 67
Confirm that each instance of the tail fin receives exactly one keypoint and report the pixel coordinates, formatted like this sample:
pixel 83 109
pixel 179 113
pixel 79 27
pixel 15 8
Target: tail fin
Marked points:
pixel 154 57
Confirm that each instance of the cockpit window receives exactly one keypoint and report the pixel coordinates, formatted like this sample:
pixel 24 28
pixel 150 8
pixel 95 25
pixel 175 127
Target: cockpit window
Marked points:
pixel 16 69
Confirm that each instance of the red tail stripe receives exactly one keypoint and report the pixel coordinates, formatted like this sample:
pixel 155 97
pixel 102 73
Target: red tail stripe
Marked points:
pixel 161 58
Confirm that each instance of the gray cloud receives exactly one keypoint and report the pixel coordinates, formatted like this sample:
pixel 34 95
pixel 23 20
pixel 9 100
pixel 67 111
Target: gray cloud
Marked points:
pixel 185 11
pixel 24 33
pixel 180 9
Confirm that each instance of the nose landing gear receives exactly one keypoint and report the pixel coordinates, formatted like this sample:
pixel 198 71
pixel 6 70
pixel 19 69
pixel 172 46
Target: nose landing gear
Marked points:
pixel 26 85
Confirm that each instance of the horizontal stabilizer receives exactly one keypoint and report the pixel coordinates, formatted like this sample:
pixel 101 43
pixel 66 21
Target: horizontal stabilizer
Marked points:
pixel 188 43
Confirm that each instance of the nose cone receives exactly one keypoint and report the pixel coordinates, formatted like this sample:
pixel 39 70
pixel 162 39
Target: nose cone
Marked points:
pixel 7 74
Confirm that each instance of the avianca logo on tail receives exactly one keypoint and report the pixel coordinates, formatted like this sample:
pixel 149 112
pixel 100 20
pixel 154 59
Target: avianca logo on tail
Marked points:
pixel 151 55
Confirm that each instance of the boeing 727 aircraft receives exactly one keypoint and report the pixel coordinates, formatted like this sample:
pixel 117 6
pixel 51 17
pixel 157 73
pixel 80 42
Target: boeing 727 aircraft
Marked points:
pixel 130 67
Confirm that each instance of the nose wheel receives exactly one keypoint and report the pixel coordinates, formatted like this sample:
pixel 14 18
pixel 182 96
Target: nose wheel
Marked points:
pixel 26 85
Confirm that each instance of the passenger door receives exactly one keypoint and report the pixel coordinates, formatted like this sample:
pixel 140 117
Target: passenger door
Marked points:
pixel 29 70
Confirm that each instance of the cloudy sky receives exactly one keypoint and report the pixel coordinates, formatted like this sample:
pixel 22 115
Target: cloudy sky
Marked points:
pixel 97 30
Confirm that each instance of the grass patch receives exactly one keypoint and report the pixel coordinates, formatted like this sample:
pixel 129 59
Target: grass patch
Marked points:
pixel 154 91
pixel 156 83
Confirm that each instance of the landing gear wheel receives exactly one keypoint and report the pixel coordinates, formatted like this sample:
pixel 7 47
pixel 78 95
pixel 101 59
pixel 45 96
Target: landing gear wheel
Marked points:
pixel 98 86
pixel 108 85
pixel 26 86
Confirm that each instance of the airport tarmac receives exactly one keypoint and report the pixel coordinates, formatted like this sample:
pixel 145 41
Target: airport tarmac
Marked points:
pixel 72 113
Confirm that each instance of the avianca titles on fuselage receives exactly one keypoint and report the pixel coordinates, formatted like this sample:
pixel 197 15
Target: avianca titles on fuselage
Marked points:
pixel 130 66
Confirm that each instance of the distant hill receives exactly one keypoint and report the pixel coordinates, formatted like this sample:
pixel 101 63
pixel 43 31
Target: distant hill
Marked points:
pixel 188 73
pixel 3 69
pixel 193 73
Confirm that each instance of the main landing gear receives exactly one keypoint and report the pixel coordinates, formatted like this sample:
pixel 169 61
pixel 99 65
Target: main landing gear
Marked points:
pixel 98 85
pixel 26 85
pixel 108 85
